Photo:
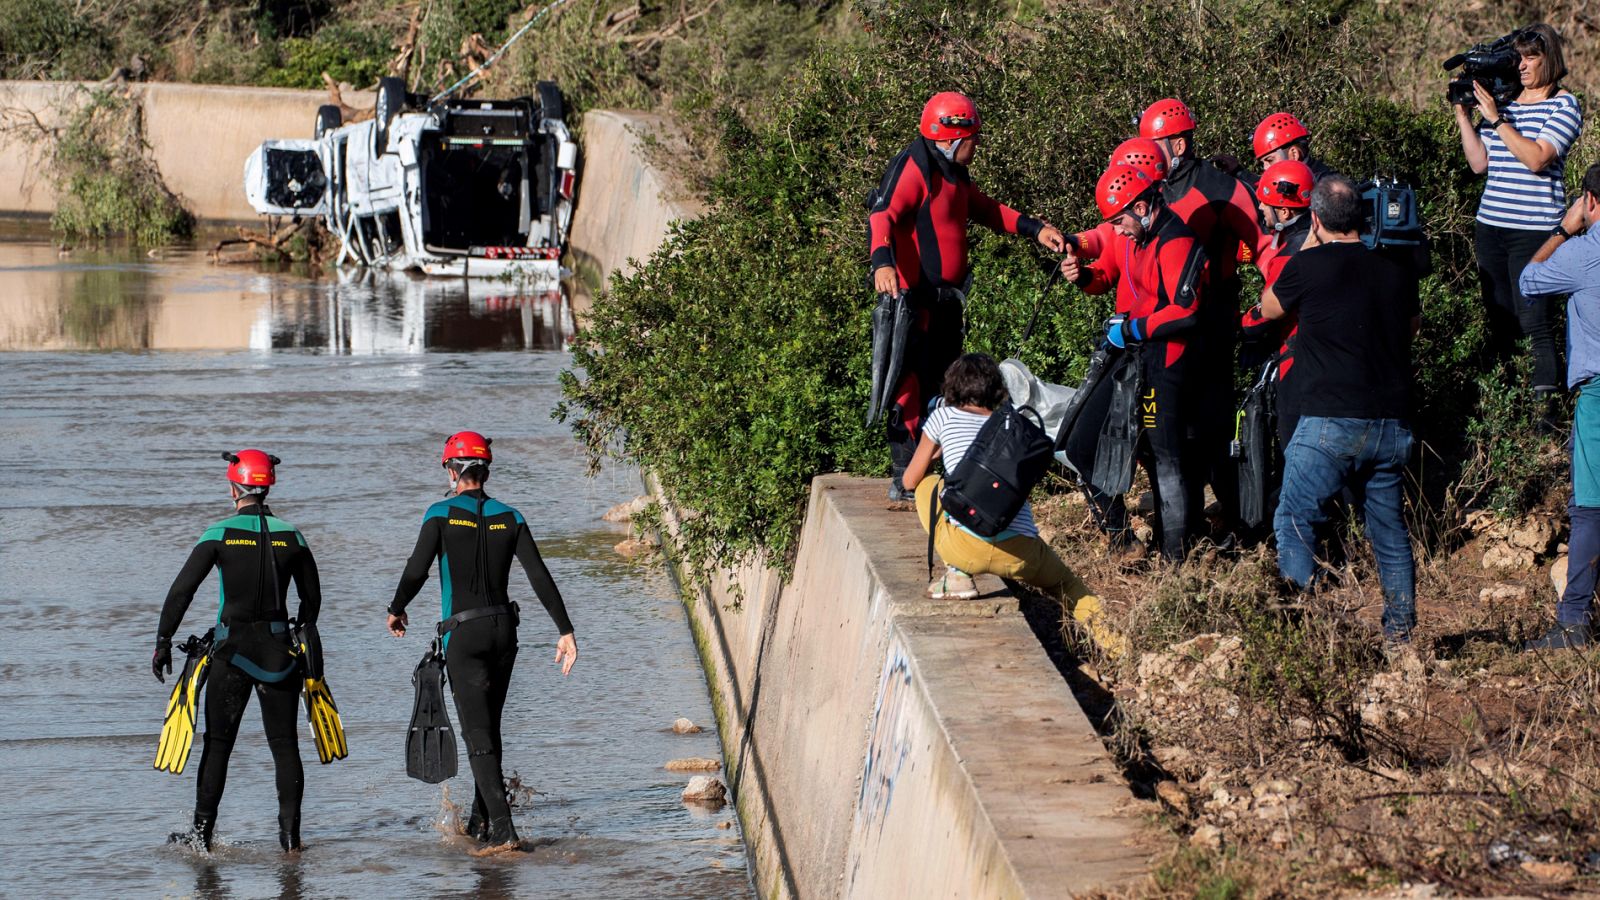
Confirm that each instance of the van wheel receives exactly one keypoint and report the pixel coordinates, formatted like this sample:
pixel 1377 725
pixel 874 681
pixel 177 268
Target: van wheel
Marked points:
pixel 391 102
pixel 551 105
pixel 328 118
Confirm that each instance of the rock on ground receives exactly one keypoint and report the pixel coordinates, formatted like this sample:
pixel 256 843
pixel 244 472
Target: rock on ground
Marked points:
pixel 694 764
pixel 624 512
pixel 633 548
pixel 1558 575
pixel 1501 592
pixel 705 789
pixel 1506 558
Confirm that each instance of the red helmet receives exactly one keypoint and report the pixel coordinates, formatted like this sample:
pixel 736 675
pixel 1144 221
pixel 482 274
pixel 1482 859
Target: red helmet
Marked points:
pixel 1119 187
pixel 949 116
pixel 252 468
pixel 1278 130
pixel 1287 183
pixel 466 445
pixel 1143 154
pixel 1166 118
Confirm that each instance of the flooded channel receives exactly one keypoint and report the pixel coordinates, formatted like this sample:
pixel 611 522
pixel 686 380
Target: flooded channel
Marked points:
pixel 108 474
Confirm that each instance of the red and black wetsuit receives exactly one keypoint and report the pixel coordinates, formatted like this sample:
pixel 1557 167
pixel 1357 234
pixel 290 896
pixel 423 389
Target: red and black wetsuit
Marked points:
pixel 1281 247
pixel 918 224
pixel 1222 213
pixel 1159 281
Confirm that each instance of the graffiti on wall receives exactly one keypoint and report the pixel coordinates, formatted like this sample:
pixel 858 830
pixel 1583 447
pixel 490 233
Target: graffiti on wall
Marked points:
pixel 889 740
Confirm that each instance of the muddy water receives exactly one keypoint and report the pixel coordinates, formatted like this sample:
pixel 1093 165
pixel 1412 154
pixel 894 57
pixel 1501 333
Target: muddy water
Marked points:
pixel 108 474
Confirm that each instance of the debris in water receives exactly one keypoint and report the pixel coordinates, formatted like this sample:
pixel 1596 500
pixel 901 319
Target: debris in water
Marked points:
pixel 705 789
pixel 694 764
pixel 632 548
pixel 624 512
pixel 684 726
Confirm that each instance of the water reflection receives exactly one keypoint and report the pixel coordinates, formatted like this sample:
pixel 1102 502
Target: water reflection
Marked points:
pixel 176 299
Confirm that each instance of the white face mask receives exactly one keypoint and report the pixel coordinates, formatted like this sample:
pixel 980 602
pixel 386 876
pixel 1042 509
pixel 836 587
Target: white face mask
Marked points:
pixel 949 152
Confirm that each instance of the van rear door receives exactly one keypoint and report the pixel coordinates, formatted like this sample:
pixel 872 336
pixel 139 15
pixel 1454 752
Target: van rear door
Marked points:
pixel 287 178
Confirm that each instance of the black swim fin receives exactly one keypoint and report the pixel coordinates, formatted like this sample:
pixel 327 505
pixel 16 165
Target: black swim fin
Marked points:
pixel 882 327
pixel 430 742
pixel 1119 436
pixel 1253 434
pixel 899 337
pixel 1099 365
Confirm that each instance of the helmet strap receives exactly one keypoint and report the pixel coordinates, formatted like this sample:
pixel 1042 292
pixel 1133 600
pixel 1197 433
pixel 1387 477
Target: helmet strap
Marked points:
pixel 949 152
pixel 1288 223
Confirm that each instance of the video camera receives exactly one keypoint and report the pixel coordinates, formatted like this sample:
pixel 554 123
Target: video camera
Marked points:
pixel 1494 64
pixel 1391 225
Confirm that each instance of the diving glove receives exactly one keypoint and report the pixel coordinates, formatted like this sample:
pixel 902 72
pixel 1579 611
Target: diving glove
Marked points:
pixel 1122 331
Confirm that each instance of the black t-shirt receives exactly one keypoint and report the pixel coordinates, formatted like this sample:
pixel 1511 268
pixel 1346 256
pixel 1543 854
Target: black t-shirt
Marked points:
pixel 1353 351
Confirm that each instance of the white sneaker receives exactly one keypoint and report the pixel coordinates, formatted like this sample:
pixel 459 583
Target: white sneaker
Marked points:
pixel 954 584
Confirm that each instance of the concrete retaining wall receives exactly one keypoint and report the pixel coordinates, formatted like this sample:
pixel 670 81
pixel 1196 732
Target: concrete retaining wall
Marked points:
pixel 199 136
pixel 625 204
pixel 880 744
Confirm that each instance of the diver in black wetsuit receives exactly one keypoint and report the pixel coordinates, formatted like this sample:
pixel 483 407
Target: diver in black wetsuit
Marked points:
pixel 252 649
pixel 475 538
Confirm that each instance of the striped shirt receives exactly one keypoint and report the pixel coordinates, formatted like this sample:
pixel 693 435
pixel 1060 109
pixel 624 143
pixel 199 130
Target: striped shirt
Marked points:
pixel 954 430
pixel 1515 197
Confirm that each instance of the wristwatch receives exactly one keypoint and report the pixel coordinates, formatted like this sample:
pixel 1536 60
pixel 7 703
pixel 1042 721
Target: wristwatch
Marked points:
pixel 1495 125
pixel 1562 231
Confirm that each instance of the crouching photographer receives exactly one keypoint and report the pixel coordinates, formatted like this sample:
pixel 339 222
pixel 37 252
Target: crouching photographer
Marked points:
pixel 1526 125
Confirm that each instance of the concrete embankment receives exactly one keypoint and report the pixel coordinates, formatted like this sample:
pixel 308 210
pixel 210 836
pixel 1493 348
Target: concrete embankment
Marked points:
pixel 880 744
pixel 625 204
pixel 199 136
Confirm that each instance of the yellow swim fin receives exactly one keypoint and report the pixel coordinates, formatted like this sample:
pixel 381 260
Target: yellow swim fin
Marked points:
pixel 177 731
pixel 327 729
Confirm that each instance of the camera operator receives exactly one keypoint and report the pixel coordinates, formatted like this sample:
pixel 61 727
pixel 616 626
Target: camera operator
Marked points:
pixel 1523 148
pixel 1352 387
pixel 1568 264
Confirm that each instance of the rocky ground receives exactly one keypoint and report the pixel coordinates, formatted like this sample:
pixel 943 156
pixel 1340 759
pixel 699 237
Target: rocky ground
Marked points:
pixel 1291 757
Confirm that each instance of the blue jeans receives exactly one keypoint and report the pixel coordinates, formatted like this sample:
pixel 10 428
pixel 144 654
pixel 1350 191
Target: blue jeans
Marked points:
pixel 1326 455
pixel 1583 558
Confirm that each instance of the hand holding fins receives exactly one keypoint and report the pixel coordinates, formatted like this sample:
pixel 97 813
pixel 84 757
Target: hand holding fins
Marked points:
pixel 327 729
pixel 177 731
pixel 430 741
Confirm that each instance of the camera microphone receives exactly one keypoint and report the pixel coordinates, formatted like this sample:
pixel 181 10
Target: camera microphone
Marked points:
pixel 1454 61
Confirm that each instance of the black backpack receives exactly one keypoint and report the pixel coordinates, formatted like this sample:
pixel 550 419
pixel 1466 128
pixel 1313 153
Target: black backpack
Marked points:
pixel 1010 454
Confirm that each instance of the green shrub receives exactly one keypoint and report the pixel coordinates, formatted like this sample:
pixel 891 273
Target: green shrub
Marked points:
pixel 104 179
pixel 734 364
pixel 46 39
pixel 348 53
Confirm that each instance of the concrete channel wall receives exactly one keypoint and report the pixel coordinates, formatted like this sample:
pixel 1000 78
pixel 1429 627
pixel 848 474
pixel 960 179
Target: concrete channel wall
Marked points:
pixel 199 136
pixel 880 744
pixel 625 204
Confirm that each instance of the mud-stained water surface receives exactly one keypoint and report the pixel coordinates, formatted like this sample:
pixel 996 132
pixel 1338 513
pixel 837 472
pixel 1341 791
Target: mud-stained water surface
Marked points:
pixel 108 474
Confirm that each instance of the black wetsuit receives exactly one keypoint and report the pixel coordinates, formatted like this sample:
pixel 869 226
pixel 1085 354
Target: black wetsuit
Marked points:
pixel 475 539
pixel 252 648
pixel 1159 281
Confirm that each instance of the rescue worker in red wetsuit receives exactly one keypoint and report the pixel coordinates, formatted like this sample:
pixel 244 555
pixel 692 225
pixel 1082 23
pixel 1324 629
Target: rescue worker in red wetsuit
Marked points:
pixel 1279 137
pixel 1222 214
pixel 1158 268
pixel 1284 190
pixel 917 230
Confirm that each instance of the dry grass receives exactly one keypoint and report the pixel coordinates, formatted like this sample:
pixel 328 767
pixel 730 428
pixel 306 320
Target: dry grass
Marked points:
pixel 1299 761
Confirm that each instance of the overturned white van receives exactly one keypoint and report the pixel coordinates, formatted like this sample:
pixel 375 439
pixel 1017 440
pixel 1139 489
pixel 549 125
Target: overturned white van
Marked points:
pixel 475 188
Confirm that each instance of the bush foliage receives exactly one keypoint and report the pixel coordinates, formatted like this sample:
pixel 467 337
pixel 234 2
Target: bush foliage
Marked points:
pixel 734 364
pixel 105 181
